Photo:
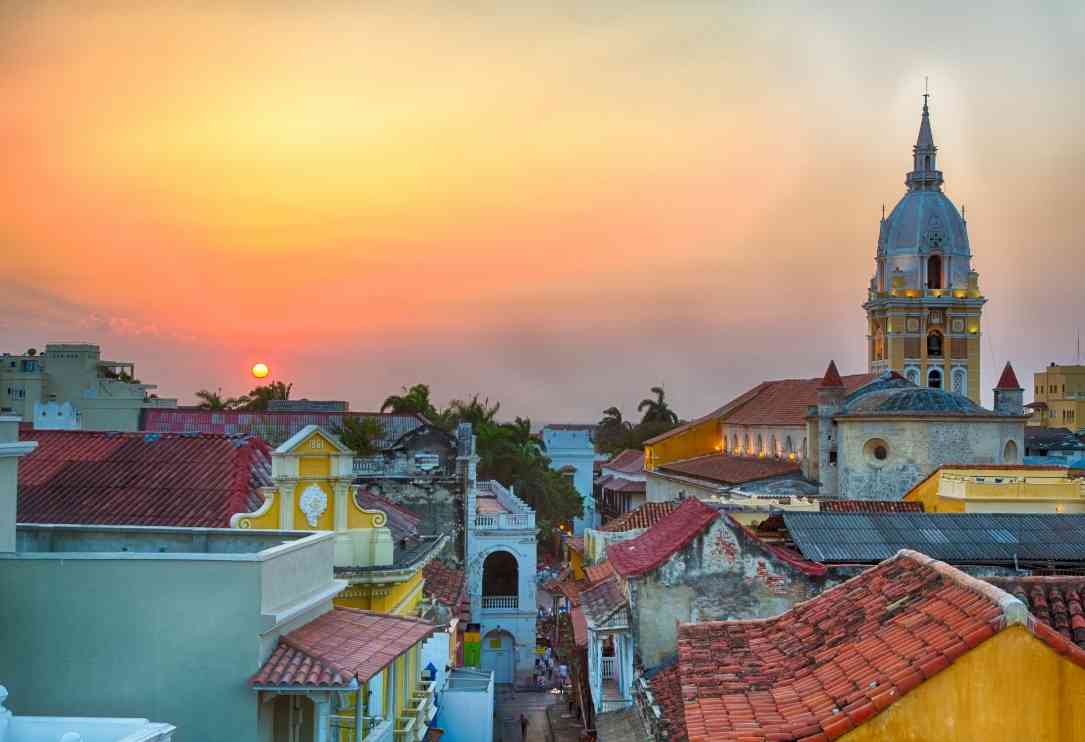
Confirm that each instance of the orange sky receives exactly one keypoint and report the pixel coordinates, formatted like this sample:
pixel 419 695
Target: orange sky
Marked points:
pixel 553 205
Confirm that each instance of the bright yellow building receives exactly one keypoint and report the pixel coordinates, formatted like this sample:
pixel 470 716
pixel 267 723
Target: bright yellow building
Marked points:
pixel 1059 397
pixel 1001 489
pixel 377 549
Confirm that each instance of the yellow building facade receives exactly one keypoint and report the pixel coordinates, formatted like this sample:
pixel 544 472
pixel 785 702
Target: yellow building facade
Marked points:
pixel 1059 397
pixel 313 491
pixel 1001 489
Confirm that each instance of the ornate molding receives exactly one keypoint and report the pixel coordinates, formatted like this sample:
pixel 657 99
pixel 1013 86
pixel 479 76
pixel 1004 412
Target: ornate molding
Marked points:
pixel 245 520
pixel 313 503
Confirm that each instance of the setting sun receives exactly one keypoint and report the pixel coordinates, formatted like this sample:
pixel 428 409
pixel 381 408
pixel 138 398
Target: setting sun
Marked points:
pixel 260 370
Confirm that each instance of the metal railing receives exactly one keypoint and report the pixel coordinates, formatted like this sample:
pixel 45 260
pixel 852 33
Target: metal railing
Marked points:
pixel 344 722
pixel 500 602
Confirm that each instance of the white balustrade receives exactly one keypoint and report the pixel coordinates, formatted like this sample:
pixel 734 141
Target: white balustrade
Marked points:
pixel 608 668
pixel 500 602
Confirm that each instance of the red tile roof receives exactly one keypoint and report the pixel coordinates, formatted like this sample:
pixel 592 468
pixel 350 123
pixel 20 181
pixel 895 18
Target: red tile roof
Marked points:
pixel 629 461
pixel 727 469
pixel 1008 380
pixel 147 479
pixel 785 402
pixel 598 572
pixel 652 548
pixel 1057 601
pixel 624 485
pixel 443 583
pixel 666 687
pixel 831 379
pixel 339 646
pixel 580 627
pixel 569 588
pixel 870 506
pixel 601 601
pixel 829 664
pixel 645 516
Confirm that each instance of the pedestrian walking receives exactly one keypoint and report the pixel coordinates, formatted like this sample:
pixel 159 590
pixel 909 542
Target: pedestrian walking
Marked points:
pixel 523 727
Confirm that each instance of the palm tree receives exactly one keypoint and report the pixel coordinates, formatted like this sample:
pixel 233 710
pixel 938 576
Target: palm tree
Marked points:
pixel 413 401
pixel 212 400
pixel 656 410
pixel 257 400
pixel 473 411
pixel 360 434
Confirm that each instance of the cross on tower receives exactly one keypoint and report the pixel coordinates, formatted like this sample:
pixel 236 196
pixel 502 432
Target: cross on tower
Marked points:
pixel 926 91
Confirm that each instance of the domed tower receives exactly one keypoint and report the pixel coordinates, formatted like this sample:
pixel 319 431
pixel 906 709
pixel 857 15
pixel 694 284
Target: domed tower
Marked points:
pixel 924 306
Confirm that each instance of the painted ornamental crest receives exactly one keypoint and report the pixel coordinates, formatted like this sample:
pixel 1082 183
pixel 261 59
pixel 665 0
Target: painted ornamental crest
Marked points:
pixel 313 502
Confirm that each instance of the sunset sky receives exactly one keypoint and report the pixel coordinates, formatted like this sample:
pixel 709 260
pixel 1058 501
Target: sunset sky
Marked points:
pixel 557 205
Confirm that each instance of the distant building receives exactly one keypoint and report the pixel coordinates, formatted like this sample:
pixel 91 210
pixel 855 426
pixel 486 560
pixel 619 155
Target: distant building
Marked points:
pixel 70 387
pixel 1056 446
pixel 1059 397
pixel 571 450
pixel 1017 488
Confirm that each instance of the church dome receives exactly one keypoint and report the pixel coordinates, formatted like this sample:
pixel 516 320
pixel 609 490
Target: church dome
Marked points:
pixel 911 400
pixel 924 220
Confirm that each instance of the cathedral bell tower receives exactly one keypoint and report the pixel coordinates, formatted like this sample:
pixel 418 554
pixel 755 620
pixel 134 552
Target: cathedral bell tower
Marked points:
pixel 924 306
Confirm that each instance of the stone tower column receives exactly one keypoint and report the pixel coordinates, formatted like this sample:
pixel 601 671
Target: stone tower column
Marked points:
pixel 831 394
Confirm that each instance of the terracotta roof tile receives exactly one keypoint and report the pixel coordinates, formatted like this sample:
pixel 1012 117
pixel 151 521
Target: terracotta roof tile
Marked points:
pixel 785 402
pixel 569 588
pixel 645 516
pixel 830 663
pixel 1008 379
pixel 580 627
pixel 147 479
pixel 666 686
pixel 727 469
pixel 598 572
pixel 652 548
pixel 401 521
pixel 1057 601
pixel 870 506
pixel 443 583
pixel 601 601
pixel 339 646
pixel 831 379
pixel 629 461
pixel 616 484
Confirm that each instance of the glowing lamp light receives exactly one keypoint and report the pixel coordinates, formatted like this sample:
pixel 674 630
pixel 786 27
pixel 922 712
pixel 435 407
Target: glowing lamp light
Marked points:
pixel 260 370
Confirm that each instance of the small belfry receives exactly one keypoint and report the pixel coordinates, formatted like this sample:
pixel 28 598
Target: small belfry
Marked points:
pixel 924 305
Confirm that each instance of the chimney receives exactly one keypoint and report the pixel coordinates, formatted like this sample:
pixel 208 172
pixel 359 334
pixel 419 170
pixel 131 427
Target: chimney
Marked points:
pixel 10 451
pixel 1009 396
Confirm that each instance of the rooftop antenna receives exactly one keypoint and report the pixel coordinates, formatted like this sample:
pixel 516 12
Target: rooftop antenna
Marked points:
pixel 962 213
pixel 883 212
pixel 1077 361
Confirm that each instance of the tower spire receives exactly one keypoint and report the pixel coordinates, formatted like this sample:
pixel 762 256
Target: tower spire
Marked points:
pixel 925 174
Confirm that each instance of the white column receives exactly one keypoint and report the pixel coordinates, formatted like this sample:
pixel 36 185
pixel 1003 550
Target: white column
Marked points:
pixel 625 660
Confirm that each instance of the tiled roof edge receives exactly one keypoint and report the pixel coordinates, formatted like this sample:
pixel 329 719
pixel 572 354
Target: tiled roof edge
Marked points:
pixel 1013 610
pixel 302 647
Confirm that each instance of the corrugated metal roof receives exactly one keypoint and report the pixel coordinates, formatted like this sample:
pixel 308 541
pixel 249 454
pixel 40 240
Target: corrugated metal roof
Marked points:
pixel 951 537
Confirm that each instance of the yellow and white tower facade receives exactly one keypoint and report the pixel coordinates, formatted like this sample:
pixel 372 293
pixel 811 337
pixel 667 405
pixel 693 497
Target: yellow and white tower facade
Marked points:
pixel 924 307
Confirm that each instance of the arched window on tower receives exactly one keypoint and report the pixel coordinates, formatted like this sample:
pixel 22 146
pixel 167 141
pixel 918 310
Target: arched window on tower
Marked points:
pixel 934 344
pixel 934 378
pixel 927 162
pixel 934 272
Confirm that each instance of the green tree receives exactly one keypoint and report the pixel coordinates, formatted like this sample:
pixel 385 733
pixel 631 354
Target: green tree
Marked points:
pixel 257 400
pixel 656 410
pixel 612 434
pixel 414 400
pixel 360 434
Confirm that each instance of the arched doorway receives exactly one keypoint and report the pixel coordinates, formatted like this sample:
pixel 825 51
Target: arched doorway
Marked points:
pixel 500 582
pixel 499 655
pixel 1009 453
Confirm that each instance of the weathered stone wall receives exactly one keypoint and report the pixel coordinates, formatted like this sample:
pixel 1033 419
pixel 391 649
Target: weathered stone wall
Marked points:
pixel 724 574
pixel 915 449
pixel 438 503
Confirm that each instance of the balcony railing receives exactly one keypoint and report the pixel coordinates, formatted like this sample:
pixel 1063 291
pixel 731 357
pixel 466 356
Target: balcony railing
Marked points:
pixel 505 521
pixel 608 668
pixel 500 602
pixel 344 722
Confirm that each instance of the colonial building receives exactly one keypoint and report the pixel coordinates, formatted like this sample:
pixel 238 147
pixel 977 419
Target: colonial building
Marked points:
pixel 1059 397
pixel 377 547
pixel 70 387
pixel 878 441
pixel 501 568
pixel 620 486
pixel 924 305
pixel 571 450
pixel 1010 488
